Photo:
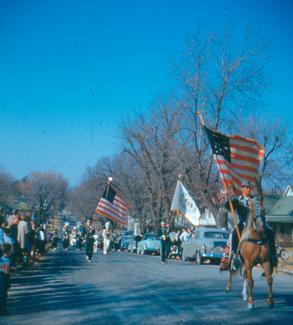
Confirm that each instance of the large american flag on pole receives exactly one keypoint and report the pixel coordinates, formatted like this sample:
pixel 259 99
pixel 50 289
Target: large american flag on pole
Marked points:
pixel 112 206
pixel 237 158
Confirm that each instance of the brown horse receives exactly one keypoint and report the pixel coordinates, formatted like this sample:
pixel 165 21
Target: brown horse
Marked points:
pixel 254 249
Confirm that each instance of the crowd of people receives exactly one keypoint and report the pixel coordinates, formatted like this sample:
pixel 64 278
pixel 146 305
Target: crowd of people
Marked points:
pixel 22 243
pixel 87 237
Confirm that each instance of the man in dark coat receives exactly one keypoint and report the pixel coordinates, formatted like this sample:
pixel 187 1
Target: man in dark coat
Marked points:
pixel 89 240
pixel 165 240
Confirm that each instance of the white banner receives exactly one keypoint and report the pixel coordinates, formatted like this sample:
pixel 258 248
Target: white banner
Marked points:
pixel 184 204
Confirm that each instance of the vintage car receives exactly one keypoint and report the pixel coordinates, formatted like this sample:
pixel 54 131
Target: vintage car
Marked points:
pixel 125 240
pixel 149 244
pixel 131 246
pixel 207 244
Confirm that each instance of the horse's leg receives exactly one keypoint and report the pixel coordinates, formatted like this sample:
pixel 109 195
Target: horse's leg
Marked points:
pixel 229 283
pixel 248 268
pixel 244 290
pixel 267 269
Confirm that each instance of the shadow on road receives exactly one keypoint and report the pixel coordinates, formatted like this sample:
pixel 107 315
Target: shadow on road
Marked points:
pixel 43 290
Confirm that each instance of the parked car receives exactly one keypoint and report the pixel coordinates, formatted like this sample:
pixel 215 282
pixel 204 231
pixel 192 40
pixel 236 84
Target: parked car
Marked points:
pixel 125 240
pixel 149 244
pixel 206 244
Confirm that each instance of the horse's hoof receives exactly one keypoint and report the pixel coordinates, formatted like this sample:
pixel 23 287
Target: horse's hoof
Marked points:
pixel 271 303
pixel 250 306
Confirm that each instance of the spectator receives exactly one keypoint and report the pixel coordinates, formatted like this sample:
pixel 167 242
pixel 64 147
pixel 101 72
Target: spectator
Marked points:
pixel 41 239
pixel 185 236
pixel 55 240
pixel 4 278
pixel 22 231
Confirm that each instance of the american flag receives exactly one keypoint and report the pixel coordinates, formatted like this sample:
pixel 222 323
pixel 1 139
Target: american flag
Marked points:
pixel 112 206
pixel 237 158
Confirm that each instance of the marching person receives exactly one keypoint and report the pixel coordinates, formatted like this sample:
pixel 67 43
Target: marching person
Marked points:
pixel 89 240
pixel 107 237
pixel 66 236
pixel 55 240
pixel 164 235
pixel 242 206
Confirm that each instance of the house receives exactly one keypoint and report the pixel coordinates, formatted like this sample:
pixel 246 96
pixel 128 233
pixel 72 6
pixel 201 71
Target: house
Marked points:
pixel 280 217
pixel 270 200
pixel 289 191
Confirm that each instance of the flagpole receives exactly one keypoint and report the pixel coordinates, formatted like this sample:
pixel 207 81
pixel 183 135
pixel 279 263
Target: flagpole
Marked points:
pixel 110 179
pixel 199 113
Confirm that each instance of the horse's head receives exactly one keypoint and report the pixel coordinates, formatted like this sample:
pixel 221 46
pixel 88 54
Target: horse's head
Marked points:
pixel 257 221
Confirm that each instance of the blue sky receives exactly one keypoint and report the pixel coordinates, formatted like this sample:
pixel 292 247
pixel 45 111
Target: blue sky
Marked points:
pixel 70 71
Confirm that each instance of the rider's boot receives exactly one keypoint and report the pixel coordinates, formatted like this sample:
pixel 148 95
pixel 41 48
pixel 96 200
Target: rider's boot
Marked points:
pixel 235 262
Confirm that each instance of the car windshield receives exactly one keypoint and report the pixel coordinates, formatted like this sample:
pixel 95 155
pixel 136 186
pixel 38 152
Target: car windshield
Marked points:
pixel 151 237
pixel 217 235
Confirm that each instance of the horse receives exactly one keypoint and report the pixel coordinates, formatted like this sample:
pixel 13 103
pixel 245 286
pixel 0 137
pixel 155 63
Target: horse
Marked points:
pixel 254 249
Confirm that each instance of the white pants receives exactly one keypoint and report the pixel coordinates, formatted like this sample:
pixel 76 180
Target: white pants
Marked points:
pixel 106 246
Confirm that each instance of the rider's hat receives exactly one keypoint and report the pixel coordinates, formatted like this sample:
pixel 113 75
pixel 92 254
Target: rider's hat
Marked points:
pixel 246 183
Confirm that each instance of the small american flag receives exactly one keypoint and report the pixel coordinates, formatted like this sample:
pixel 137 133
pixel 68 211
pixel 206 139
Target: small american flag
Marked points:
pixel 237 158
pixel 112 206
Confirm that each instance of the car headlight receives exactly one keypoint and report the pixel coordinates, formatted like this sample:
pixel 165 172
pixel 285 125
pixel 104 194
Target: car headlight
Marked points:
pixel 203 248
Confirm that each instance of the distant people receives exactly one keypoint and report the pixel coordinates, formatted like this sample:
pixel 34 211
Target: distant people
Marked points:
pixel 79 238
pixel 165 240
pixel 22 233
pixel 89 240
pixel 66 237
pixel 177 245
pixel 107 237
pixel 55 240
pixel 41 239
pixel 185 236
pixel 4 278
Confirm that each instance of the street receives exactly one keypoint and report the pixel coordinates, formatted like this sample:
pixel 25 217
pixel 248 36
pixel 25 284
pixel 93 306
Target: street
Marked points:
pixel 124 288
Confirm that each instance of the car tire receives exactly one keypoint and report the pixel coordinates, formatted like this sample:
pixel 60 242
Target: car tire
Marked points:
pixel 198 258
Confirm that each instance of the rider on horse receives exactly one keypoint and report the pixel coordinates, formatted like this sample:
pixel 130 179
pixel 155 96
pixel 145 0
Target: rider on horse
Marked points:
pixel 242 206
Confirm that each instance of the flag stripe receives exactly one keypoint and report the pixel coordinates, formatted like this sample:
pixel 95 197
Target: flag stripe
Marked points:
pixel 240 147
pixel 245 158
pixel 112 206
pixel 240 172
pixel 111 209
pixel 104 210
pixel 237 158
pixel 110 217
pixel 253 170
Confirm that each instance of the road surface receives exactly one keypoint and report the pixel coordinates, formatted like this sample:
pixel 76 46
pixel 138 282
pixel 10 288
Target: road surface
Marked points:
pixel 124 288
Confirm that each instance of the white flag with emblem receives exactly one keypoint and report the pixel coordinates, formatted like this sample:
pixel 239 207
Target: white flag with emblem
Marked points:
pixel 184 205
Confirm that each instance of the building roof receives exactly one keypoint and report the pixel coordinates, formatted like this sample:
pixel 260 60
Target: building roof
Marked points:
pixel 282 211
pixel 279 219
pixel 283 207
pixel 288 191
pixel 269 201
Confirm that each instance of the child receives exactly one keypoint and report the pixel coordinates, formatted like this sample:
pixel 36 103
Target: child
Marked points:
pixel 4 277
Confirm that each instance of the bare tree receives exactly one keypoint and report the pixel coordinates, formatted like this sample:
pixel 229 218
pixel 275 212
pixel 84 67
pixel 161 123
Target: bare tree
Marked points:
pixel 46 193
pixel 7 188
pixel 275 171
pixel 223 78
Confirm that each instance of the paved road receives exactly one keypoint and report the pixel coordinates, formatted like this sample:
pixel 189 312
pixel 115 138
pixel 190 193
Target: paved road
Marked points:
pixel 123 288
